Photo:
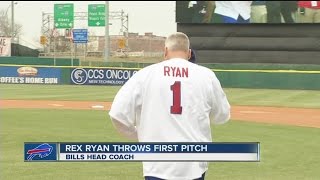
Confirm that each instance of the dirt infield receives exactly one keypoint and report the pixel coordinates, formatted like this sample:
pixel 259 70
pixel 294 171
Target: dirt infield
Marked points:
pixel 274 115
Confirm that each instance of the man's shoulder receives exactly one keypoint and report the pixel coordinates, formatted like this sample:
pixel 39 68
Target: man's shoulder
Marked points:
pixel 141 73
pixel 206 71
pixel 148 68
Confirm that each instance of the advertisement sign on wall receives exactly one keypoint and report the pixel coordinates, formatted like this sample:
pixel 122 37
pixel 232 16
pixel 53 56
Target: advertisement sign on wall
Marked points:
pixel 29 75
pixel 5 46
pixel 93 76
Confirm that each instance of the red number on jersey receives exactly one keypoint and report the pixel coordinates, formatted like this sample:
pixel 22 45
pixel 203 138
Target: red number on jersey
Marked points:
pixel 176 89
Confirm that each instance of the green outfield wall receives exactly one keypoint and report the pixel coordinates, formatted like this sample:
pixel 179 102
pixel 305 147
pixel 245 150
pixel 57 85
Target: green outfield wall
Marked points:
pixel 65 75
pixel 39 61
pixel 262 66
pixel 271 77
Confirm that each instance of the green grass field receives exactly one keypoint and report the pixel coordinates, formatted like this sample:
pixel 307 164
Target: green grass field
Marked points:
pixel 287 152
pixel 255 97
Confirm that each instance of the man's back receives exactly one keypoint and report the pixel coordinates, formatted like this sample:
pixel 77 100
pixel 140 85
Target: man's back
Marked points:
pixel 173 101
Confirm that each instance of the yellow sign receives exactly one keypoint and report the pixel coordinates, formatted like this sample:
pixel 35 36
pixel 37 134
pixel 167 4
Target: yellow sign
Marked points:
pixel 43 40
pixel 121 43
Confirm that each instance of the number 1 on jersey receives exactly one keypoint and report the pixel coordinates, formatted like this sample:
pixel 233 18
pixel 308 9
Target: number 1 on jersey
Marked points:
pixel 176 90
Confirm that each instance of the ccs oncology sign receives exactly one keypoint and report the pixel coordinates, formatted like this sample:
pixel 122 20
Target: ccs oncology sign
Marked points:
pixel 89 76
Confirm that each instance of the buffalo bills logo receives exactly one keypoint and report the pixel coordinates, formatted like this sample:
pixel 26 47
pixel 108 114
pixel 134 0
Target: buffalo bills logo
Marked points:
pixel 42 151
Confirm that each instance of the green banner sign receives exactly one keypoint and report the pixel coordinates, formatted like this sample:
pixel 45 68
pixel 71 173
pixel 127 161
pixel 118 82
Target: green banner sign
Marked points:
pixel 96 15
pixel 63 16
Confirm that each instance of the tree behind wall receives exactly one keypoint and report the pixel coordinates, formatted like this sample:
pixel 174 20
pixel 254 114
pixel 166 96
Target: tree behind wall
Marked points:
pixel 5 25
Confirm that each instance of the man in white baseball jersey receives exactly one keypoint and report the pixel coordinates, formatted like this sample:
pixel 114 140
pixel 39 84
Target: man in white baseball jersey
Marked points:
pixel 171 101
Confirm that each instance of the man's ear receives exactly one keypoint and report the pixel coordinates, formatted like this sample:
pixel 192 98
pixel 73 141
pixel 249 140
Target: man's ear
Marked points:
pixel 165 55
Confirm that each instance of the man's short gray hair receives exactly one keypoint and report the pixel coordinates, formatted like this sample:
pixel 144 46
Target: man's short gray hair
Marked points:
pixel 177 42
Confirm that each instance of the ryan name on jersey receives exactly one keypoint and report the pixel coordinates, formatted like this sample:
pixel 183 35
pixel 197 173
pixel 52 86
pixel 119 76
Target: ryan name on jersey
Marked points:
pixel 175 71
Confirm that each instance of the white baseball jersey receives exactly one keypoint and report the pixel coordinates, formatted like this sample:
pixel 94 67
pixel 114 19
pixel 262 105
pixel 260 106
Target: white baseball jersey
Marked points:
pixel 172 101
pixel 233 9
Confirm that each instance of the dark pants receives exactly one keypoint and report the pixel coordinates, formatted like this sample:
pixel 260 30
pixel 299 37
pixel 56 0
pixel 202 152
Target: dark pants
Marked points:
pixel 273 11
pixel 155 178
pixel 277 8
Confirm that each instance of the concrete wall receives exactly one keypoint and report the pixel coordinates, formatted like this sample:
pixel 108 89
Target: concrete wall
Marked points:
pixel 255 43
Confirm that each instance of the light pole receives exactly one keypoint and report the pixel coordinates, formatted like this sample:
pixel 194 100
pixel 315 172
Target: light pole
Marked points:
pixel 12 21
pixel 106 36
pixel 9 7
pixel 12 17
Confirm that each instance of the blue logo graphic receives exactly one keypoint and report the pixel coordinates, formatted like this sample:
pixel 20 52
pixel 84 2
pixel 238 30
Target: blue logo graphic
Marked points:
pixel 36 152
pixel 79 76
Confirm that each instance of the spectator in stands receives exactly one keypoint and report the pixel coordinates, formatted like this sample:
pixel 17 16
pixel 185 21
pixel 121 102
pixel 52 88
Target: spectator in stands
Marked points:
pixel 258 12
pixel 288 9
pixel 232 11
pixel 273 12
pixel 184 13
pixel 210 7
pixel 201 11
pixel 309 12
pixel 280 9
pixel 198 9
